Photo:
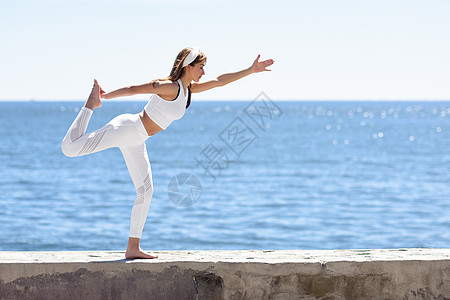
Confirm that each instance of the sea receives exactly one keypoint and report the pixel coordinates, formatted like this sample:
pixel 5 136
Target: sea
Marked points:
pixel 234 175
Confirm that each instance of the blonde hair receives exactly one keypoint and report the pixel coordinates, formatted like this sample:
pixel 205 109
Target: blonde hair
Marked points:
pixel 178 69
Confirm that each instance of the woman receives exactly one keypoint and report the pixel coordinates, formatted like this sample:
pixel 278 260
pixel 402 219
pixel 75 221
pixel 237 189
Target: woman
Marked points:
pixel 171 96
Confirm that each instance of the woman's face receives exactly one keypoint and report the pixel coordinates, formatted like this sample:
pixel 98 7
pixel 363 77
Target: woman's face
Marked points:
pixel 197 71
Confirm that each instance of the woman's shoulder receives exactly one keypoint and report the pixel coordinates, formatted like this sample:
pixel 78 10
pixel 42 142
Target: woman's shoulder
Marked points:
pixel 165 86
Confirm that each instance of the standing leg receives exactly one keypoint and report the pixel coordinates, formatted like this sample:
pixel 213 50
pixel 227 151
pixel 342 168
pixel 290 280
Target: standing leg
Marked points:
pixel 138 165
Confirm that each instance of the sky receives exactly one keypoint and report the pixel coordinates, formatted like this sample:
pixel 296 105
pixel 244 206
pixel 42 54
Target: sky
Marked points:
pixel 323 49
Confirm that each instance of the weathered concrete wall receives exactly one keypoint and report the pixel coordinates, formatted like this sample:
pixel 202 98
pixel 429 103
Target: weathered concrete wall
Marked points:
pixel 257 274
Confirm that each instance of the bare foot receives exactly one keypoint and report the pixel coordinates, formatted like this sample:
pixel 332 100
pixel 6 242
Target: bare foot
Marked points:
pixel 94 100
pixel 129 254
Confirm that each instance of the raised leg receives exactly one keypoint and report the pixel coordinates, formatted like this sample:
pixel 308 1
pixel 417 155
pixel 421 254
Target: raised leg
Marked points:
pixel 76 143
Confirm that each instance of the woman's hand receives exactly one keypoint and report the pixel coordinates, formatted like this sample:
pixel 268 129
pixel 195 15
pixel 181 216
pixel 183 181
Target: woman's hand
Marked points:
pixel 102 92
pixel 104 95
pixel 260 66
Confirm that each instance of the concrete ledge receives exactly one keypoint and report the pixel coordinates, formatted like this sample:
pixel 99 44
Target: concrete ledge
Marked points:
pixel 254 274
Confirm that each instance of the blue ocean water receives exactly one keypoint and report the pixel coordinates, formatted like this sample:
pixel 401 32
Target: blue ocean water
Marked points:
pixel 302 175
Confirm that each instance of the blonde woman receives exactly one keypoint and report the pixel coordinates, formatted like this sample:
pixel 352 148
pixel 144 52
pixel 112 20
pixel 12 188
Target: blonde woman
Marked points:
pixel 170 98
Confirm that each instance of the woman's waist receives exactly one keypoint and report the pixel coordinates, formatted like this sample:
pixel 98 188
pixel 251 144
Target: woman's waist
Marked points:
pixel 150 126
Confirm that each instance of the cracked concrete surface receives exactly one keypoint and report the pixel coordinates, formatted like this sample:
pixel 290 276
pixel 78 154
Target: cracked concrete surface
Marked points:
pixel 240 274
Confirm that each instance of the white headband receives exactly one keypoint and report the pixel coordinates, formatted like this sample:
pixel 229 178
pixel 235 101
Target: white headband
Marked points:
pixel 191 57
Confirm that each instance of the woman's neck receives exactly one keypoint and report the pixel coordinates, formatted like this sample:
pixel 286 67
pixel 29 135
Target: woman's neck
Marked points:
pixel 185 81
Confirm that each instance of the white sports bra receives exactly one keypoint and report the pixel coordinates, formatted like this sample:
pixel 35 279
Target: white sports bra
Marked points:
pixel 164 112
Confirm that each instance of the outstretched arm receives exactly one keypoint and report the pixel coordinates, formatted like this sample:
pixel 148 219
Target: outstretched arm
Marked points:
pixel 153 87
pixel 257 66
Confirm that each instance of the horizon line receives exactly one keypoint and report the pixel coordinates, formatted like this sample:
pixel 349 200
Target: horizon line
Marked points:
pixel 242 100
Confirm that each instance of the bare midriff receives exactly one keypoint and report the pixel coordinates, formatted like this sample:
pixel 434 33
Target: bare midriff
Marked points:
pixel 150 126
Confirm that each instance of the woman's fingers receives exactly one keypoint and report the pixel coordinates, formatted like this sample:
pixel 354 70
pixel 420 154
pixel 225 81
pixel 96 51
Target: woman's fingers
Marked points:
pixel 259 66
pixel 266 63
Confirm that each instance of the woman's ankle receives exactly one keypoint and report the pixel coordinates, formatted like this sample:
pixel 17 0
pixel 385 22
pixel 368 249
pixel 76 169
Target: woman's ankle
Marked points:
pixel 133 243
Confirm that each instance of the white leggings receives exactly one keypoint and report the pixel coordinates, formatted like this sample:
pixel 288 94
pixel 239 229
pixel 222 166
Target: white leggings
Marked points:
pixel 128 133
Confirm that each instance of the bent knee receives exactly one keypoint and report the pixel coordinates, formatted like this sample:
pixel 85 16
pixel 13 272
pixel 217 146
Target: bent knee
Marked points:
pixel 67 149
